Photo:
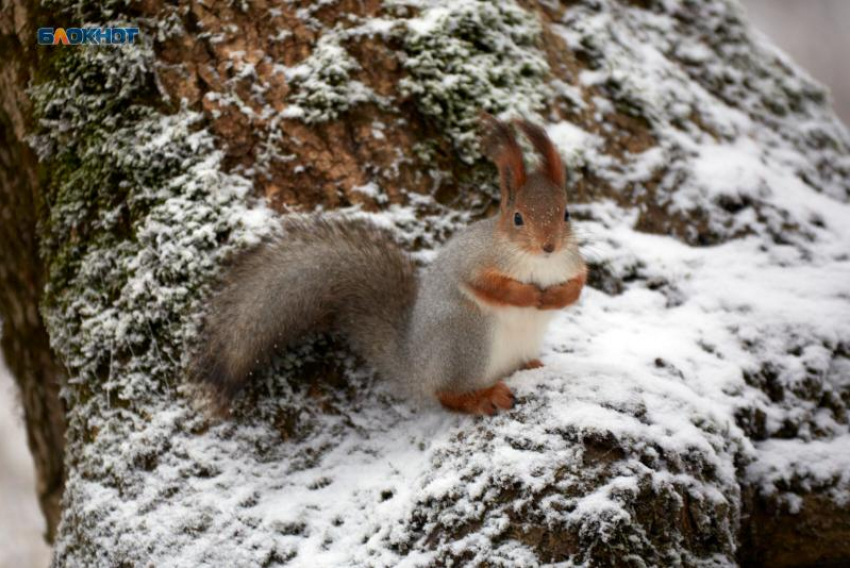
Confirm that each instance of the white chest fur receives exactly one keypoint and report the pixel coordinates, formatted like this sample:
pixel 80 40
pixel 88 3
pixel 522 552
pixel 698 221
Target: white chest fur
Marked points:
pixel 517 333
pixel 516 338
pixel 546 271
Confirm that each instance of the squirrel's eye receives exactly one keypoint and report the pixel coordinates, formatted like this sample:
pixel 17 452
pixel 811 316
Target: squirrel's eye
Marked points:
pixel 517 219
pixel 567 215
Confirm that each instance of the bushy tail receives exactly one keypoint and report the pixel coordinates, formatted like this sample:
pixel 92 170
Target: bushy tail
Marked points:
pixel 321 273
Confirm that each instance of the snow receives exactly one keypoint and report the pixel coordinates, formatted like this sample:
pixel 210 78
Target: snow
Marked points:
pixel 685 374
pixel 324 86
pixel 21 522
pixel 573 142
pixel 370 189
pixel 817 463
pixel 433 17
pixel 462 56
pixel 602 377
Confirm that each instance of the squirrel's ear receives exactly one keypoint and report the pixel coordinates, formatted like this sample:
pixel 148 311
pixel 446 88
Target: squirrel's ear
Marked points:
pixel 500 145
pixel 551 165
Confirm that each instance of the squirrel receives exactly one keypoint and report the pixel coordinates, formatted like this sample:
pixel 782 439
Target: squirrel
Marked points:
pixel 477 314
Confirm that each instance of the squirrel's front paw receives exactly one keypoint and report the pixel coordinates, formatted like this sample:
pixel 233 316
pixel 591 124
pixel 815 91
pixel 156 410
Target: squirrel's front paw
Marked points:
pixel 563 295
pixel 484 401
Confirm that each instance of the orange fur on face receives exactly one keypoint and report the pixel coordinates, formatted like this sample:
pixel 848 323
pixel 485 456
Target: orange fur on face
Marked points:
pixel 484 401
pixel 541 205
pixel 494 288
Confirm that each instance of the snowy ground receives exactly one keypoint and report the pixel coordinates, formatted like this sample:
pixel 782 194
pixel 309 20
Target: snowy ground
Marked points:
pixel 657 367
pixel 21 522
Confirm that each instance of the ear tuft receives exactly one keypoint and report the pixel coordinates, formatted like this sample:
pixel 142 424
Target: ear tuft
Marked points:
pixel 500 145
pixel 551 166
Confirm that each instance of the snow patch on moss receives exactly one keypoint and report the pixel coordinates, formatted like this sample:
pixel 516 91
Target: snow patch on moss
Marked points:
pixel 139 218
pixel 461 57
pixel 323 83
pixel 466 56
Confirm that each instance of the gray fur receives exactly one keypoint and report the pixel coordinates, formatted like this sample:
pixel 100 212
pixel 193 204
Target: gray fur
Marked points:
pixel 449 334
pixel 351 276
pixel 320 274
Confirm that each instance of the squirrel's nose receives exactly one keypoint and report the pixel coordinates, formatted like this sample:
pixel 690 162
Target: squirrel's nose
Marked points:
pixel 548 247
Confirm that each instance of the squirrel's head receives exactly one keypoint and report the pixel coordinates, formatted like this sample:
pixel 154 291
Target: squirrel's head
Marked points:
pixel 533 212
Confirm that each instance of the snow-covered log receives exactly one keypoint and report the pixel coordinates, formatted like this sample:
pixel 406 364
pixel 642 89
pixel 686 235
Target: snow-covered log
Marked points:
pixel 693 408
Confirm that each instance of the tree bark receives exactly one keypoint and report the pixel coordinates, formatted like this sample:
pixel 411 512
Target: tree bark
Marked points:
pixel 25 343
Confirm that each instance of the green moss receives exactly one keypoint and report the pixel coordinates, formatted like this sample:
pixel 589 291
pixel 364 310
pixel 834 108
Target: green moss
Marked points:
pixel 136 216
pixel 323 85
pixel 465 57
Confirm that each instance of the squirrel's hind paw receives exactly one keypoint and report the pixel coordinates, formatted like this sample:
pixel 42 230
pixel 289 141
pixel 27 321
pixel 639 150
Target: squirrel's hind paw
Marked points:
pixel 484 401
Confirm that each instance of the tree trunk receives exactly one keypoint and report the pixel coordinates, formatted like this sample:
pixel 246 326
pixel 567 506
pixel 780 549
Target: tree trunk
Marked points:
pixel 22 275
pixel 639 443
